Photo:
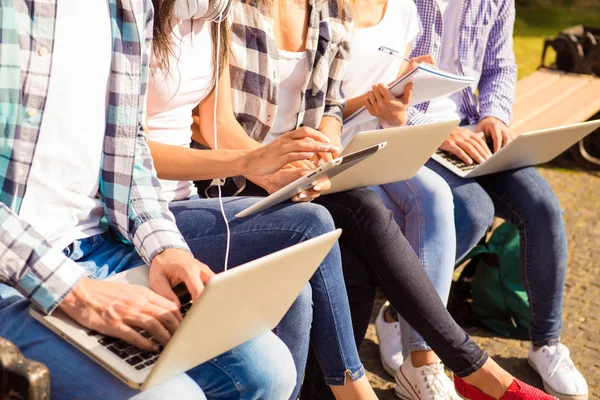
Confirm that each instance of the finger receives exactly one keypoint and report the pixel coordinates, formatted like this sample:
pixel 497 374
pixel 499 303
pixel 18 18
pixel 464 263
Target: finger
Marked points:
pixel 407 95
pixel 322 184
pixel 161 285
pixel 133 337
pixel 471 151
pixel 371 97
pixel 302 196
pixel 460 153
pixel 385 93
pixel 150 323
pixel 297 157
pixel 168 305
pixel 379 99
pixel 205 273
pixel 192 281
pixel 507 136
pixel 306 146
pixel 307 132
pixel 167 318
pixel 480 144
pixel 497 136
pixel 369 107
pixel 326 157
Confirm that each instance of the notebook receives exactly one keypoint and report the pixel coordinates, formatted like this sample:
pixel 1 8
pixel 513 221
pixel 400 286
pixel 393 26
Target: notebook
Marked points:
pixel 429 82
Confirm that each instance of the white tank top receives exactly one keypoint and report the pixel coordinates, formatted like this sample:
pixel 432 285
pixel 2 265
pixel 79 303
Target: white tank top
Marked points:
pixel 172 96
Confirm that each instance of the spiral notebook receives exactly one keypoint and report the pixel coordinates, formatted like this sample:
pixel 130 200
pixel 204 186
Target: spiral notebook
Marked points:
pixel 429 82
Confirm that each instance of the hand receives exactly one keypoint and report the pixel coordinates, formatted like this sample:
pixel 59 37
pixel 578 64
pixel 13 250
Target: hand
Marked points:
pixel 175 266
pixel 381 103
pixel 497 129
pixel 117 309
pixel 290 173
pixel 336 141
pixel 467 145
pixel 414 63
pixel 300 144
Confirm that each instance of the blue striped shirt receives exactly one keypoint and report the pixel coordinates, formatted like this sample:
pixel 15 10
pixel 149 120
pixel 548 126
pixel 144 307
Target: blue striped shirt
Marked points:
pixel 485 53
pixel 130 192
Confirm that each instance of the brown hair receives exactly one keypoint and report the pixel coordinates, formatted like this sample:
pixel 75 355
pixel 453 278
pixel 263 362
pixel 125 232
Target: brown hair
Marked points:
pixel 161 42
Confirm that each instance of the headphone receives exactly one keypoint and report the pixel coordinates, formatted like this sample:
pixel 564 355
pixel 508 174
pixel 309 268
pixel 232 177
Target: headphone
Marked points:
pixel 208 10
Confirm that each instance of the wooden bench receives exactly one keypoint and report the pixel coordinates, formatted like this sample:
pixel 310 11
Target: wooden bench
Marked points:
pixel 549 98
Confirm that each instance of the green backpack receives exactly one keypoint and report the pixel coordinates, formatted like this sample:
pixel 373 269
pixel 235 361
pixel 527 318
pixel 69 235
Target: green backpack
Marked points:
pixel 499 300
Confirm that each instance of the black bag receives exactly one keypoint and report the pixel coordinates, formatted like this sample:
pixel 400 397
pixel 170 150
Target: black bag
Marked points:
pixel 577 50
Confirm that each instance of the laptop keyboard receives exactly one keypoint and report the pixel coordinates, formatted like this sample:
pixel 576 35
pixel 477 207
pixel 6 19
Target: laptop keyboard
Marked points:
pixel 137 358
pixel 460 164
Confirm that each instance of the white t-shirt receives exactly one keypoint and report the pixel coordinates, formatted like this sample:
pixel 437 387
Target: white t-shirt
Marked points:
pixel 293 71
pixel 447 108
pixel 174 94
pixel 60 201
pixel 369 66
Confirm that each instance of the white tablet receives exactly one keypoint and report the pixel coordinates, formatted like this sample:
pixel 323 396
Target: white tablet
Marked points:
pixel 329 170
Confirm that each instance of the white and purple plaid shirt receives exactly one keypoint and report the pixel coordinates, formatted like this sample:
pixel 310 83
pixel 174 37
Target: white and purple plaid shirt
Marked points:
pixel 485 53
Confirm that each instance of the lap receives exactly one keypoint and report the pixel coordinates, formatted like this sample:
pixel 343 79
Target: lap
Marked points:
pixel 73 374
pixel 201 223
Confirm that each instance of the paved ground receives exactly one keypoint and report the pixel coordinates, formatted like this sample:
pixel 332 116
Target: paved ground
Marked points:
pixel 579 193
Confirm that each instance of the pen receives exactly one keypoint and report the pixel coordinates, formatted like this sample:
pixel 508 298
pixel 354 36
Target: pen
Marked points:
pixel 393 52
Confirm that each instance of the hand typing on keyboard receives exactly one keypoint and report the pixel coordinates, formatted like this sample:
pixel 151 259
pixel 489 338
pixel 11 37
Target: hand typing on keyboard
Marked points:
pixel 497 130
pixel 122 310
pixel 468 146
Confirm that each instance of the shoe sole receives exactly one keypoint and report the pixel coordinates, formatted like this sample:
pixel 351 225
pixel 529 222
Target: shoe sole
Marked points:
pixel 550 391
pixel 400 389
pixel 386 367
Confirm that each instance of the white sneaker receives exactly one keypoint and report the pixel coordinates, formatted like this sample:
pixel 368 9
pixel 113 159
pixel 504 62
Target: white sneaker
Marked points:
pixel 560 376
pixel 429 382
pixel 390 343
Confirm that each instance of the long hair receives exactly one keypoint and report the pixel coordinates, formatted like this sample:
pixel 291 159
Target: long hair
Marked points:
pixel 161 42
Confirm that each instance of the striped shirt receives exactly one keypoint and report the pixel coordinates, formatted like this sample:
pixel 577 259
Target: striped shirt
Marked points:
pixel 134 208
pixel 255 60
pixel 485 53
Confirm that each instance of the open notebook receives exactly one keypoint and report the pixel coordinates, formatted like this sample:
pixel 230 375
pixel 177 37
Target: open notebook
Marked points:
pixel 429 82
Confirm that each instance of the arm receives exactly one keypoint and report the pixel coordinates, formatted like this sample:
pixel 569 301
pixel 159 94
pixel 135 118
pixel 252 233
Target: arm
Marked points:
pixel 43 275
pixel 499 73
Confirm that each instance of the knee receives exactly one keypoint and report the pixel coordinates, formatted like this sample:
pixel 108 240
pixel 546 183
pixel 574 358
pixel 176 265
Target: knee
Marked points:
pixel 315 218
pixel 271 370
pixel 475 214
pixel 432 194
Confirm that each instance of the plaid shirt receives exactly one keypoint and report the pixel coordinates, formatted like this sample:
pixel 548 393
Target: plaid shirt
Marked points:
pixel 133 205
pixel 254 65
pixel 485 53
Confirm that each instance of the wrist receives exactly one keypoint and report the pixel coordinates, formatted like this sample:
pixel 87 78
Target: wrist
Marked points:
pixel 241 162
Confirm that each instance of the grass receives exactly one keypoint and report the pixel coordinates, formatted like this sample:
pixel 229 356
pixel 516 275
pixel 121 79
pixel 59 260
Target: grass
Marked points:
pixel 546 19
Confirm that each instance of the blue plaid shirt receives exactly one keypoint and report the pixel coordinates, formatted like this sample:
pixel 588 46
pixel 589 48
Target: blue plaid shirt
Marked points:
pixel 133 205
pixel 485 53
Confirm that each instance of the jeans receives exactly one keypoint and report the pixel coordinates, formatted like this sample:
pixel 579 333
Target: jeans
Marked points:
pixel 524 198
pixel 423 208
pixel 382 254
pixel 260 368
pixel 201 224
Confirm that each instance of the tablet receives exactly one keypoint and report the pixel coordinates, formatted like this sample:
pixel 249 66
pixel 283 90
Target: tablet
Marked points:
pixel 329 170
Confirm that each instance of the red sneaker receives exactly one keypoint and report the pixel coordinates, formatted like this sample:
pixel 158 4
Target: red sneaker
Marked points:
pixel 517 391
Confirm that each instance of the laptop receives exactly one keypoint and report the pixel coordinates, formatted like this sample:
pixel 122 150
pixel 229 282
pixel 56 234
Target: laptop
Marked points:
pixel 330 169
pixel 530 148
pixel 236 306
pixel 408 149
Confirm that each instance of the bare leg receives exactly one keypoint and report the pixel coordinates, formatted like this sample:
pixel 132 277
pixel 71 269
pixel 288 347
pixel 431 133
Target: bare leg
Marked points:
pixel 359 389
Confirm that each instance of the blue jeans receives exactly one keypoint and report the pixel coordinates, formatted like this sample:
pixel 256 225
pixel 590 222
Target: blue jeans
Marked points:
pixel 260 368
pixel 324 304
pixel 524 198
pixel 423 208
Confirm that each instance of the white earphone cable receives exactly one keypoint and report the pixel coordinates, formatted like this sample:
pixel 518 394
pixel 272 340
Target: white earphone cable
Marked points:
pixel 215 140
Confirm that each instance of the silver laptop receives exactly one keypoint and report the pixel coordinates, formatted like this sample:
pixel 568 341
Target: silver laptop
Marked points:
pixel 408 149
pixel 236 306
pixel 329 170
pixel 531 148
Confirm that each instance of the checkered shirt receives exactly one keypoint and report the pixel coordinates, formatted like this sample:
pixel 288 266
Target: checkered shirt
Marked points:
pixel 485 53
pixel 254 65
pixel 133 205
